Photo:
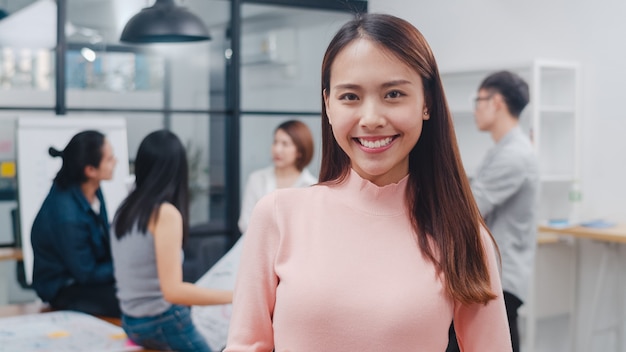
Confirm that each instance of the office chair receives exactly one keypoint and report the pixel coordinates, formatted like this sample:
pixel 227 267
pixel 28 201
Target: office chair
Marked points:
pixel 206 244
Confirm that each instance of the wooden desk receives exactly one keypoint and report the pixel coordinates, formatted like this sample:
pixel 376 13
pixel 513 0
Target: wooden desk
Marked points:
pixel 612 234
pixel 611 238
pixel 10 253
pixel 23 309
pixel 7 254
pixel 548 238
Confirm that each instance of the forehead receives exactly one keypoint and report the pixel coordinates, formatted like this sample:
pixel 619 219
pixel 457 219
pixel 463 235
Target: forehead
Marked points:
pixel 281 134
pixel 107 148
pixel 364 56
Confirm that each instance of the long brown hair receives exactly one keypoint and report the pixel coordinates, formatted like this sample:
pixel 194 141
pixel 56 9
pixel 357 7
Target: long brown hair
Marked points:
pixel 442 208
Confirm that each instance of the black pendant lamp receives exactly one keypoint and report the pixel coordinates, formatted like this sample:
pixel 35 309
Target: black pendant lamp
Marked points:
pixel 164 22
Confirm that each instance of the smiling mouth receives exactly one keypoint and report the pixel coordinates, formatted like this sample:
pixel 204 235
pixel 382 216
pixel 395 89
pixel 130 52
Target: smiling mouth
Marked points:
pixel 374 144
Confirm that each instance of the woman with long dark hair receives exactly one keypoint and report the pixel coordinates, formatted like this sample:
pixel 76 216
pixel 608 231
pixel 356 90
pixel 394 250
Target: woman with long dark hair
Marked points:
pixel 390 247
pixel 72 267
pixel 148 233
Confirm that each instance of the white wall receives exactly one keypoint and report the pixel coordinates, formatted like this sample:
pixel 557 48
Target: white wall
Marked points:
pixel 278 87
pixel 482 32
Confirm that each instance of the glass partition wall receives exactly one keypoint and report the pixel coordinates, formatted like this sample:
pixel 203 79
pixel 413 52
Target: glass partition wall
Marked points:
pixel 222 97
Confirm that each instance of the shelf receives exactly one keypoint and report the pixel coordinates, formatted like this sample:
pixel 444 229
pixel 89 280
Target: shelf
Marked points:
pixel 557 178
pixel 557 109
pixel 462 111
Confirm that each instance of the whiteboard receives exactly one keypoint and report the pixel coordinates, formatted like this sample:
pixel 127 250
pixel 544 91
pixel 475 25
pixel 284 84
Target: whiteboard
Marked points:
pixel 36 169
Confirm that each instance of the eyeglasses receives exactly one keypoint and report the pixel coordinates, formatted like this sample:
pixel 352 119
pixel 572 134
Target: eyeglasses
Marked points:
pixel 478 99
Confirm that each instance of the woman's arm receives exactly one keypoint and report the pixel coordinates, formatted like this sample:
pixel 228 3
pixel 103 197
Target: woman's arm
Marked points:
pixel 482 327
pixel 168 238
pixel 251 328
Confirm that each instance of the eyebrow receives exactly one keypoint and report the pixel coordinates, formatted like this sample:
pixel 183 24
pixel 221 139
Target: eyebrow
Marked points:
pixel 394 83
pixel 398 82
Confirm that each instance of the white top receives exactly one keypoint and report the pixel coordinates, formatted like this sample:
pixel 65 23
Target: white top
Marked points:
pixel 262 182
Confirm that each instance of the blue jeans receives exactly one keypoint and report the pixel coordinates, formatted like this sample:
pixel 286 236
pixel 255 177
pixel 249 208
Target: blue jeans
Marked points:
pixel 170 330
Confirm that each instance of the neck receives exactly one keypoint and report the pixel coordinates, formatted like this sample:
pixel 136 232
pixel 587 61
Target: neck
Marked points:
pixel 89 189
pixel 286 171
pixel 506 124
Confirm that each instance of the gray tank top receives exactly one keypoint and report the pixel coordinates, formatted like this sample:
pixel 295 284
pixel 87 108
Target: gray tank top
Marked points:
pixel 134 263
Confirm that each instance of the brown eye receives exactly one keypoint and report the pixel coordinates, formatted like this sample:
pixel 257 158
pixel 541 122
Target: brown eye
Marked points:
pixel 348 96
pixel 394 94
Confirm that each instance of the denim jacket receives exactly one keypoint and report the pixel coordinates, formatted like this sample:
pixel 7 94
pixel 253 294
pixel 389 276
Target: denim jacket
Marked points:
pixel 70 243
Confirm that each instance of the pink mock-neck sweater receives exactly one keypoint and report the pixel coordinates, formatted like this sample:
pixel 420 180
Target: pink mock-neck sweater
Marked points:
pixel 338 268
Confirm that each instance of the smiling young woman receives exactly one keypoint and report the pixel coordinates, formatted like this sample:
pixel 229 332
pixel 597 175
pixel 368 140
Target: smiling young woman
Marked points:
pixel 390 247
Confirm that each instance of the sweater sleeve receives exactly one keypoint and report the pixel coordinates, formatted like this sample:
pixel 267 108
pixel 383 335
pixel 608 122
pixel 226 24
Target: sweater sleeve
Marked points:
pixel 255 291
pixel 482 327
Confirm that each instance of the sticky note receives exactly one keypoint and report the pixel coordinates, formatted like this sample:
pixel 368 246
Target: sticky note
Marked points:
pixel 58 334
pixel 7 169
pixel 119 336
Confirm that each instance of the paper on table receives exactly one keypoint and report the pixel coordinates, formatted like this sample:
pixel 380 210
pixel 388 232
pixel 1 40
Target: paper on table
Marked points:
pixel 212 321
pixel 598 224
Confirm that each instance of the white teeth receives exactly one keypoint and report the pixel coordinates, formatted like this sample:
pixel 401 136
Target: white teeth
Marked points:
pixel 375 144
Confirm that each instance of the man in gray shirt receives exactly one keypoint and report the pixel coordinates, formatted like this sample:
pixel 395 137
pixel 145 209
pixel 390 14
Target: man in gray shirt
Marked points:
pixel 506 186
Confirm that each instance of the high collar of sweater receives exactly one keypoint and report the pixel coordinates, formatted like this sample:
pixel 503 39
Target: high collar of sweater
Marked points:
pixel 367 197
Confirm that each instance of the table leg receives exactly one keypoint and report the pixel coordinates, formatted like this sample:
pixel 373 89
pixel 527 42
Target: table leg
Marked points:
pixel 604 261
pixel 4 282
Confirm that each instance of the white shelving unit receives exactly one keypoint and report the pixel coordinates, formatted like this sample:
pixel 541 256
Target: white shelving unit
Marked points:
pixel 552 121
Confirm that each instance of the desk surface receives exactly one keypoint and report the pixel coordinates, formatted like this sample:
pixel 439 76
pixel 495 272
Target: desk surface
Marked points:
pixel 616 233
pixel 38 307
pixel 10 253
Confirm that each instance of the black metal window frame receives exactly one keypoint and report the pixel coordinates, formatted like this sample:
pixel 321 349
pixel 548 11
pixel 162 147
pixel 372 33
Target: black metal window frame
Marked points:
pixel 233 90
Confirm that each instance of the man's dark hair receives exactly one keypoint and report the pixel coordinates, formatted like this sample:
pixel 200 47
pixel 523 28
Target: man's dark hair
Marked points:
pixel 512 87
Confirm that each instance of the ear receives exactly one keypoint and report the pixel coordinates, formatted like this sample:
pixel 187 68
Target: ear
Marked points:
pixel 90 171
pixel 325 95
pixel 425 114
pixel 499 102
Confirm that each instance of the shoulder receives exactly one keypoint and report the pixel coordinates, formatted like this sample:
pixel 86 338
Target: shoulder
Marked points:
pixel 291 199
pixel 62 203
pixel 488 242
pixel 515 156
pixel 167 212
pixel 519 145
pixel 285 206
pixel 259 176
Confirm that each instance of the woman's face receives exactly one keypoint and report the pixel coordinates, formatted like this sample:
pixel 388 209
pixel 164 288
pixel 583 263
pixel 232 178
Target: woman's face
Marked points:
pixel 375 105
pixel 107 164
pixel 284 151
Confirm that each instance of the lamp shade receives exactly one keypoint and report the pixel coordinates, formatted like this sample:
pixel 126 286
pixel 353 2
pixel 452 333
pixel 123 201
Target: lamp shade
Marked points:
pixel 164 22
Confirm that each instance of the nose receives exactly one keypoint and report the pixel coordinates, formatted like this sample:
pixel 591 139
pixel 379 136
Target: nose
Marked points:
pixel 372 115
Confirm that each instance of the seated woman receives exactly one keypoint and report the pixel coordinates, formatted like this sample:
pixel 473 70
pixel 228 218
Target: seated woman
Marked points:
pixel 292 151
pixel 72 267
pixel 148 233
